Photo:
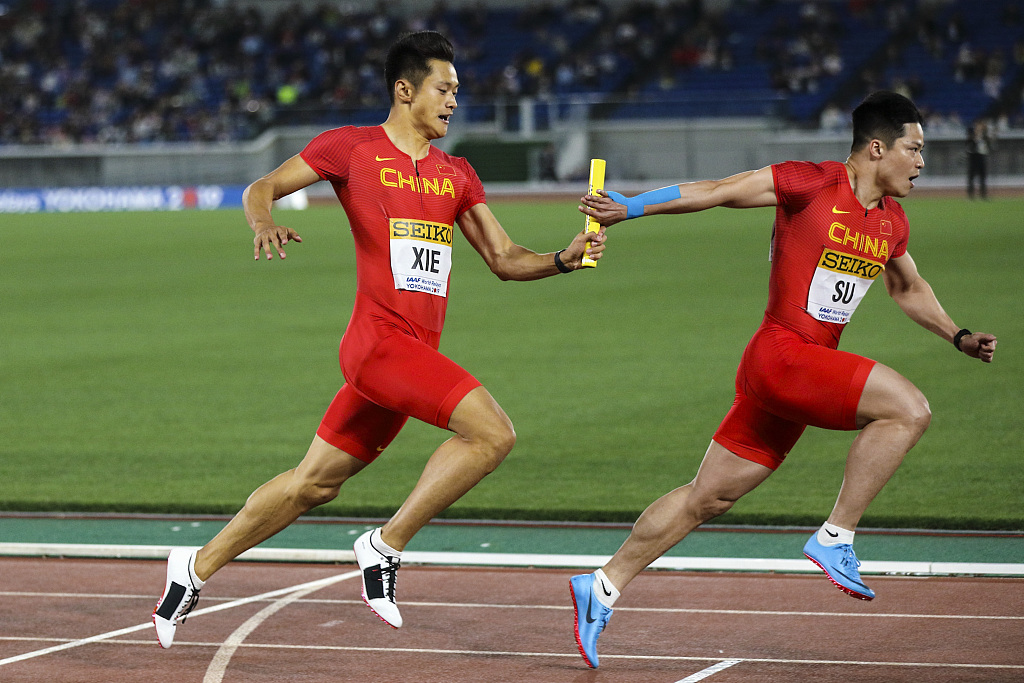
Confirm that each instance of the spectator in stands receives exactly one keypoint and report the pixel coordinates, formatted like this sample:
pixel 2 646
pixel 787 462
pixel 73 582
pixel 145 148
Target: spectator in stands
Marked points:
pixel 833 119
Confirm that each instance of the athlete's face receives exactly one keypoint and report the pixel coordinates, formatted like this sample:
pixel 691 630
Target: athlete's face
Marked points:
pixel 434 100
pixel 903 161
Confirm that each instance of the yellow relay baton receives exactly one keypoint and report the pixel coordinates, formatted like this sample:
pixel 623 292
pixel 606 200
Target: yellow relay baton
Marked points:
pixel 596 183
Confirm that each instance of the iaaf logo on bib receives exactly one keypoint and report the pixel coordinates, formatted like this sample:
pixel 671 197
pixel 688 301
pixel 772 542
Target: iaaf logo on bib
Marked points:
pixel 415 284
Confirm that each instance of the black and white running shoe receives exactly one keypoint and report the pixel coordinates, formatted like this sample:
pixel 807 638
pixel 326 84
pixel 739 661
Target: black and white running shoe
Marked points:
pixel 379 573
pixel 181 593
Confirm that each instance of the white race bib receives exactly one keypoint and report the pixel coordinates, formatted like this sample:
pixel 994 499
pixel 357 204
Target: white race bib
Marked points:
pixel 421 255
pixel 839 284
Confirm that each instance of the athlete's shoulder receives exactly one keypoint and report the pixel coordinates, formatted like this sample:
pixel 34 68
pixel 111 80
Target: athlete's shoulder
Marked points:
pixel 798 183
pixel 834 170
pixel 894 207
pixel 895 212
pixel 808 172
pixel 349 136
pixel 330 151
pixel 448 164
pixel 461 163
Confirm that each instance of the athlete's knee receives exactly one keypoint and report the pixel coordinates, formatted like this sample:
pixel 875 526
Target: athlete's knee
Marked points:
pixel 481 422
pixel 320 475
pixel 715 508
pixel 496 442
pixel 707 506
pixel 893 400
pixel 309 492
pixel 505 441
pixel 916 413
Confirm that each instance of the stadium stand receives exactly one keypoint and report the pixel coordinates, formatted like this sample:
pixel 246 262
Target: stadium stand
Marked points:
pixel 120 71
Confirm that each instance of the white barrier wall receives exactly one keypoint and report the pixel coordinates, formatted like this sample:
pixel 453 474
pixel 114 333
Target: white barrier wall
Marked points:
pixel 635 151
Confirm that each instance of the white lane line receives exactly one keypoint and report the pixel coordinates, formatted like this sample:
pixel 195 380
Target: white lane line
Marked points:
pixel 149 624
pixel 219 664
pixel 746 564
pixel 73 643
pixel 491 606
pixel 559 655
pixel 710 671
pixel 842 615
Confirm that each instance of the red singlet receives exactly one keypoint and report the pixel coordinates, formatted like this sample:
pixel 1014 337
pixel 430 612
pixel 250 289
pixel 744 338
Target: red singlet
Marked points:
pixel 402 215
pixel 826 251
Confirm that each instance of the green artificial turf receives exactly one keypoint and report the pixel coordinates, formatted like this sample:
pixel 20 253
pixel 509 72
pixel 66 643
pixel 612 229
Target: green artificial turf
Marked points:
pixel 149 364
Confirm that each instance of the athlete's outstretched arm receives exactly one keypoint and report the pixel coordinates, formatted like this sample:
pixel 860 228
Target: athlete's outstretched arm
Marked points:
pixel 747 190
pixel 509 261
pixel 258 199
pixel 915 296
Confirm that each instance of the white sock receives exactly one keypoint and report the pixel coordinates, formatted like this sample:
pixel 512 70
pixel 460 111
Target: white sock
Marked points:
pixel 606 593
pixel 196 581
pixel 830 534
pixel 378 543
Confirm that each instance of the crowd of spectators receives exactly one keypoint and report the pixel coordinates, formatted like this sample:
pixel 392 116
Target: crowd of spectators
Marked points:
pixel 956 51
pixel 124 71
pixel 197 70
pixel 973 59
pixel 801 55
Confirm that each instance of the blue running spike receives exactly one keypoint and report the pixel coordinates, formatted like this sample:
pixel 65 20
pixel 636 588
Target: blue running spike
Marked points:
pixel 840 566
pixel 593 619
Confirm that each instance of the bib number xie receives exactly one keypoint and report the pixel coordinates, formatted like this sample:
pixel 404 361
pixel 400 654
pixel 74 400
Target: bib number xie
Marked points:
pixel 421 255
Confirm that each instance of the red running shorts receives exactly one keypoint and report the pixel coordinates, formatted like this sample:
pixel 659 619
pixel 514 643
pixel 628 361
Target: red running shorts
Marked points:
pixel 393 371
pixel 785 383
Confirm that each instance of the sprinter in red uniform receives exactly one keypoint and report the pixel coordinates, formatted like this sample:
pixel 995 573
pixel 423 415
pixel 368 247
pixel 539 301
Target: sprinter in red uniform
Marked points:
pixel 837 229
pixel 403 198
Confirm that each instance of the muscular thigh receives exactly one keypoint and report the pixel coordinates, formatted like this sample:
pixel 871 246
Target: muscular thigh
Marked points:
pixel 395 364
pixel 804 383
pixel 784 384
pixel 358 426
pixel 406 376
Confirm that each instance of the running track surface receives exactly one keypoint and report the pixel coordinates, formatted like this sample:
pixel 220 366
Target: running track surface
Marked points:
pixel 462 625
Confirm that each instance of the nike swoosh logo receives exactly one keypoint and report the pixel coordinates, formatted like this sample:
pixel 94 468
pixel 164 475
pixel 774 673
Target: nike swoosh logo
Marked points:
pixel 605 590
pixel 836 210
pixel 393 158
pixel 836 535
pixel 380 449
pixel 590 601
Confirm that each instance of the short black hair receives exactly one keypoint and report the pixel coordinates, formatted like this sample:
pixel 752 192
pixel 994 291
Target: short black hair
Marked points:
pixel 883 115
pixel 409 58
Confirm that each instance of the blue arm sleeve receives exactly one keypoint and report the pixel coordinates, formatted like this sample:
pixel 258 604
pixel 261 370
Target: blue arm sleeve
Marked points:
pixel 635 206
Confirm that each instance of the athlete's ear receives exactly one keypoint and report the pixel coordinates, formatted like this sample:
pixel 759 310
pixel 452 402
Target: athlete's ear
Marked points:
pixel 403 90
pixel 875 148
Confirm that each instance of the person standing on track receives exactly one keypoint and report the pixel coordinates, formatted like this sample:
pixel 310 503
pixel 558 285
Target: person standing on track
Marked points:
pixel 836 230
pixel 979 145
pixel 402 197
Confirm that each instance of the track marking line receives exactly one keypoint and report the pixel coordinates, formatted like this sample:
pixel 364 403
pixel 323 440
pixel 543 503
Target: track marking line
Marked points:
pixel 426 557
pixel 560 655
pixel 480 605
pixel 149 624
pixel 219 664
pixel 795 613
pixel 710 671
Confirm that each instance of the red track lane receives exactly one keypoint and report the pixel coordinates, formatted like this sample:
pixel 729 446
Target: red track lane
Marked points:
pixel 494 625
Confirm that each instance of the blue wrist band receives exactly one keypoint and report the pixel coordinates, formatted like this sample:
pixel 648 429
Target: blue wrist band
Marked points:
pixel 635 206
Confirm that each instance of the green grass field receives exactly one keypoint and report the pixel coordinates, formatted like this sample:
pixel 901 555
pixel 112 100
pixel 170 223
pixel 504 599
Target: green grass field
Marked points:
pixel 149 364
